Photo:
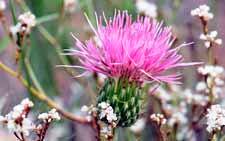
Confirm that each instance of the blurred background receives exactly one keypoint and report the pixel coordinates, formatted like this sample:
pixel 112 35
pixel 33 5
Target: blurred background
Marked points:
pixel 55 23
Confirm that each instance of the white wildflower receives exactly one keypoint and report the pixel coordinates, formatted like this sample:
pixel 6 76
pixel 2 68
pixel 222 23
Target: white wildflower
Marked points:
pixel 12 126
pixel 219 81
pixel 201 86
pixel 217 91
pixel 203 12
pixel 215 118
pixel 43 116
pixel 178 115
pixel 177 118
pixel 84 108
pixel 147 8
pixel 106 111
pixel 106 130
pixel 70 5
pixel 27 102
pixel 27 126
pixel 193 98
pixel 158 118
pixel 28 19
pixel 23 27
pixel 50 116
pixel 103 105
pixel 211 38
pixel 17 121
pixel 2 119
pixel 54 114
pixel 89 110
pixel 162 94
pixel 214 71
pixel 138 126
pixel 2 5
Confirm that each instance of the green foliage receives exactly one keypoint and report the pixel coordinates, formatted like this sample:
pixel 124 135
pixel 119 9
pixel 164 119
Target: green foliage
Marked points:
pixel 4 42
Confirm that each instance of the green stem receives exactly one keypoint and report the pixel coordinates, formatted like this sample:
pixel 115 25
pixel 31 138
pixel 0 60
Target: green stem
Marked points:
pixel 47 18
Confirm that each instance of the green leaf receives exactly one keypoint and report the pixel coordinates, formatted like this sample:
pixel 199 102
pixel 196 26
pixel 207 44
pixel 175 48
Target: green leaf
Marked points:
pixel 13 11
pixel 4 43
pixel 88 8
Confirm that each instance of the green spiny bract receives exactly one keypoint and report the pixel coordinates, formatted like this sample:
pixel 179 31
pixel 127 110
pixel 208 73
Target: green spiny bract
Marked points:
pixel 125 99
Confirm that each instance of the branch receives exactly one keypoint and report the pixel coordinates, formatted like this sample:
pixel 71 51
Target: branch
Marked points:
pixel 42 96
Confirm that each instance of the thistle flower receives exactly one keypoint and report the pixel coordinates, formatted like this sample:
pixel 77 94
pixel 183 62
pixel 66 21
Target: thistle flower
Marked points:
pixel 129 53
pixel 138 51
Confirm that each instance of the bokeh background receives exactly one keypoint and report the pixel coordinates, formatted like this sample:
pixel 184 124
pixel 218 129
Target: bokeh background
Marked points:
pixel 48 39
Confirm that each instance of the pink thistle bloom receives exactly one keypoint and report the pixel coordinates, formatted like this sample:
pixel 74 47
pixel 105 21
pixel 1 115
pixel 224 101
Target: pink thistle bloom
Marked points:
pixel 138 51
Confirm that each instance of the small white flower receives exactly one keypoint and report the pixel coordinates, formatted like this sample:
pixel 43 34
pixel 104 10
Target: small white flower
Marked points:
pixel 138 126
pixel 106 131
pixel 89 118
pixel 158 118
pixel 54 114
pixel 215 118
pixel 103 105
pixel 106 111
pixel 43 116
pixel 217 91
pixel 26 22
pixel 211 38
pixel 219 81
pixel 211 70
pixel 111 117
pixel 203 12
pixel 2 5
pixel 11 125
pixel 84 108
pixel 28 19
pixel 48 117
pixel 162 94
pixel 177 117
pixel 2 119
pixel 201 86
pixel 27 102
pixel 70 5
pixel 146 8
pixel 27 125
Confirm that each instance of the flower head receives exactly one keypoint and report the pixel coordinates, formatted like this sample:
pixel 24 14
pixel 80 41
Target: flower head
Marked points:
pixel 139 51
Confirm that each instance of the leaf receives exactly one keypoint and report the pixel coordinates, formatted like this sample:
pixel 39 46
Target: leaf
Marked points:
pixel 4 43
pixel 13 11
pixel 88 8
